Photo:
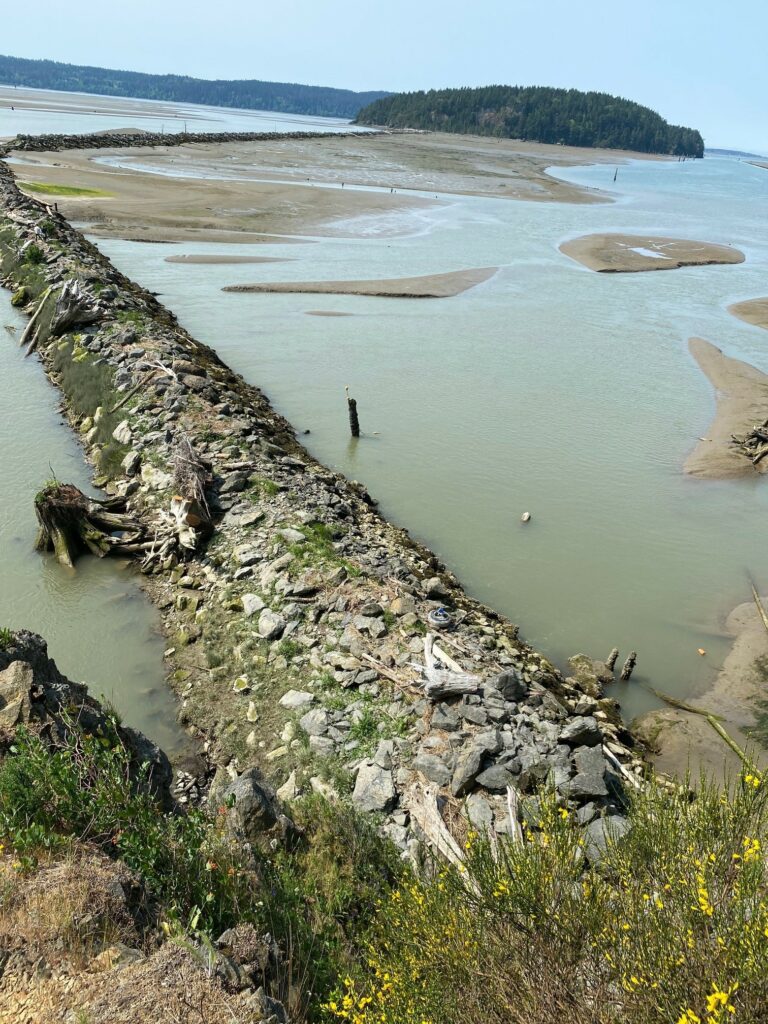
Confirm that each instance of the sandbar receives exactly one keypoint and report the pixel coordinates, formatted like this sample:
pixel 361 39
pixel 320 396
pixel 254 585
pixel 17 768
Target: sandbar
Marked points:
pixel 629 254
pixel 326 312
pixel 687 742
pixel 742 401
pixel 256 191
pixel 429 286
pixel 753 311
pixel 216 258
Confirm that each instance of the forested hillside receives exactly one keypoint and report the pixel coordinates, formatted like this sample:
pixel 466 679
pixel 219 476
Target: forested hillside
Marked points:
pixel 564 116
pixel 284 97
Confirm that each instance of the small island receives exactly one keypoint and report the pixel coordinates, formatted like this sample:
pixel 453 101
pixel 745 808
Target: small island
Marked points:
pixel 629 254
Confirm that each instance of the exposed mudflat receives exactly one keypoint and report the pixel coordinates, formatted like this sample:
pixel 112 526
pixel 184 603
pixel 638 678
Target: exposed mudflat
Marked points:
pixel 629 254
pixel 428 286
pixel 241 191
pixel 687 742
pixel 742 400
pixel 217 259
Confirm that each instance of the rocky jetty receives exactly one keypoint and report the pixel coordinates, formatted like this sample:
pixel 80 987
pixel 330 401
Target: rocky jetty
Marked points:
pixel 124 140
pixel 307 634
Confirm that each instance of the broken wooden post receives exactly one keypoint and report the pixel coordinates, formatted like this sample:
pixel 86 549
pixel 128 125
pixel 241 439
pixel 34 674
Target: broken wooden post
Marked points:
pixel 629 665
pixel 354 423
pixel 610 661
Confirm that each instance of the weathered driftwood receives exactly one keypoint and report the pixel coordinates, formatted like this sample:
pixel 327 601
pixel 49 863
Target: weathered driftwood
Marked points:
pixel 445 682
pixel 28 334
pixel 515 828
pixel 70 522
pixel 754 444
pixel 713 720
pixel 191 477
pixel 759 605
pixel 74 305
pixel 421 801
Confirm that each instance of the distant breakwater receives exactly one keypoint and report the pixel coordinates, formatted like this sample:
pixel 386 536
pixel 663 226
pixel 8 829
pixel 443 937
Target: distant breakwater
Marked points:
pixel 305 635
pixel 118 140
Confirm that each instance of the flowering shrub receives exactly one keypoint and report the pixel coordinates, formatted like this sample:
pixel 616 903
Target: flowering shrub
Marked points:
pixel 669 927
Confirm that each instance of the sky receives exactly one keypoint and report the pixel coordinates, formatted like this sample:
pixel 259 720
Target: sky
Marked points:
pixel 699 63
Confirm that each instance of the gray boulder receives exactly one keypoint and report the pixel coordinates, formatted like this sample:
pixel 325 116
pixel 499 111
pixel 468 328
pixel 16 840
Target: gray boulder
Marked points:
pixel 271 625
pixel 374 789
pixel 602 832
pixel 252 806
pixel 581 731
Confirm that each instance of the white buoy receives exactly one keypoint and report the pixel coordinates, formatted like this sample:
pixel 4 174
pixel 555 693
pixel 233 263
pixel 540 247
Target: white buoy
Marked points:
pixel 525 517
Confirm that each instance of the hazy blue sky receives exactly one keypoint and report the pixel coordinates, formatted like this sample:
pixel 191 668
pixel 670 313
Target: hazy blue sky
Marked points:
pixel 700 63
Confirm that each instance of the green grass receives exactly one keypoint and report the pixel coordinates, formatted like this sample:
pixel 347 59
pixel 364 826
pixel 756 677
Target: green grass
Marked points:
pixel 6 639
pixel 50 189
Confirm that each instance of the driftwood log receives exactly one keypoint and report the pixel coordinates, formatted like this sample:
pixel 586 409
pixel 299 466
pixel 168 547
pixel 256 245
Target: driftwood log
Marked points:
pixel 754 444
pixel 70 522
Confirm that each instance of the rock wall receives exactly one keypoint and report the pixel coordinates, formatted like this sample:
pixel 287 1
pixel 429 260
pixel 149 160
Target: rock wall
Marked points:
pixel 122 140
pixel 306 637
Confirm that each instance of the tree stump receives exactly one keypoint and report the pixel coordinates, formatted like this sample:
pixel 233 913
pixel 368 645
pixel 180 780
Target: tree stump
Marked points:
pixel 70 522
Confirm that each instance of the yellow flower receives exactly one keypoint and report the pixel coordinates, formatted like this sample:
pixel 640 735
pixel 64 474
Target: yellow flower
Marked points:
pixel 689 1017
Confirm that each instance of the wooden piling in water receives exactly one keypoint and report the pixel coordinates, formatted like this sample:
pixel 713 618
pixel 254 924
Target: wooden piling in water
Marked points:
pixel 629 665
pixel 354 422
pixel 610 661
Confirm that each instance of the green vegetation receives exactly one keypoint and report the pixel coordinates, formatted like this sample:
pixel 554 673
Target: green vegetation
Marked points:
pixel 34 255
pixel 670 927
pixel 48 188
pixel 6 638
pixel 317 900
pixel 89 386
pixel 566 117
pixel 252 94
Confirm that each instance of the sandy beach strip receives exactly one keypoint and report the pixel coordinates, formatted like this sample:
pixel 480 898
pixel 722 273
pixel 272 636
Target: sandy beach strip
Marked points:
pixel 217 259
pixel 326 312
pixel 687 742
pixel 753 311
pixel 429 286
pixel 742 401
pixel 629 254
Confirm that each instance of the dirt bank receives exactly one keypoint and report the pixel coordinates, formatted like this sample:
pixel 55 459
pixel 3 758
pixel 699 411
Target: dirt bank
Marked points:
pixel 742 400
pixel 429 286
pixel 628 254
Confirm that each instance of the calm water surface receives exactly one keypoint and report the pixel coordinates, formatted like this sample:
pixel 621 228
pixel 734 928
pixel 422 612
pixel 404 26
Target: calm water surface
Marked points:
pixel 548 389
pixel 99 625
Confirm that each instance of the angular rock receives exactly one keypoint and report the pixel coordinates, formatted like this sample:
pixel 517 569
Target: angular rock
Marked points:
pixel 374 789
pixel 581 731
pixel 252 603
pixel 601 832
pixel 271 625
pixel 510 685
pixel 254 807
pixel 496 779
pixel 315 722
pixel 295 699
pixel 468 767
pixel 433 768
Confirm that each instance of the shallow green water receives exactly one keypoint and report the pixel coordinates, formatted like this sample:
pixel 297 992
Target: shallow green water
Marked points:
pixel 99 625
pixel 548 389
